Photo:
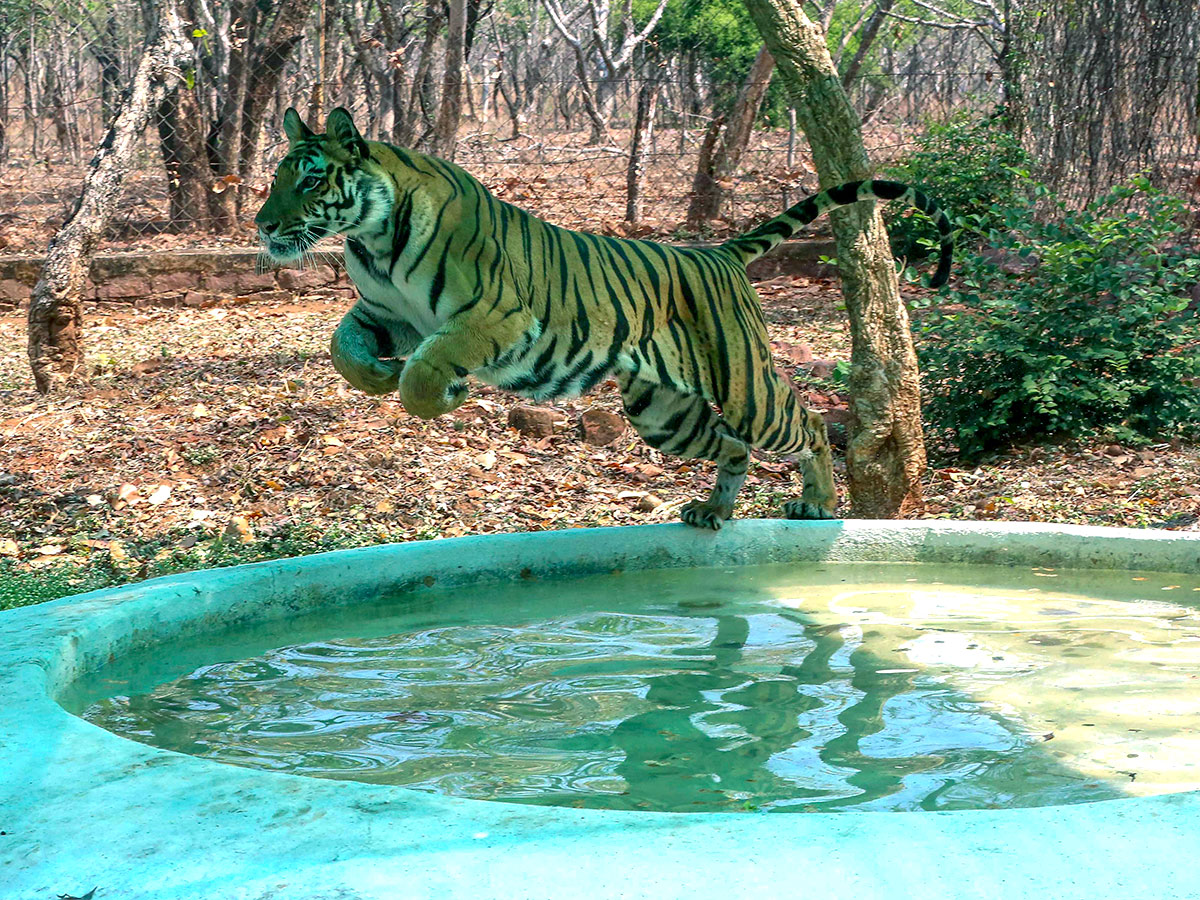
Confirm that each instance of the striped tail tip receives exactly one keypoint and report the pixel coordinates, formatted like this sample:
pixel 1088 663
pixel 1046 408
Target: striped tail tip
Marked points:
pixel 942 275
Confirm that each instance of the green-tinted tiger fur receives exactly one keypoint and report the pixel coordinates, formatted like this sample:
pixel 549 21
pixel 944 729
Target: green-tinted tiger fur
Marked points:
pixel 462 284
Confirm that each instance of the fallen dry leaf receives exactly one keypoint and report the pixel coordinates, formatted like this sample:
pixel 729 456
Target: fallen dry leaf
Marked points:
pixel 160 495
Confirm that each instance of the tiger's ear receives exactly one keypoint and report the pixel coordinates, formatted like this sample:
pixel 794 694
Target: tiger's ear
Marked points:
pixel 294 127
pixel 340 127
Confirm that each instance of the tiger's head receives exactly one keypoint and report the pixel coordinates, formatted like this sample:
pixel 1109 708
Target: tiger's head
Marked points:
pixel 327 184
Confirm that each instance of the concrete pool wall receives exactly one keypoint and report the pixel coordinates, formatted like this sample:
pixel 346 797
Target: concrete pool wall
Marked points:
pixel 82 808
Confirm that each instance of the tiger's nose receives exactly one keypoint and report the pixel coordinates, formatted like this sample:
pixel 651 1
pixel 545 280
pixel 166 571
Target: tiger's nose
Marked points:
pixel 267 227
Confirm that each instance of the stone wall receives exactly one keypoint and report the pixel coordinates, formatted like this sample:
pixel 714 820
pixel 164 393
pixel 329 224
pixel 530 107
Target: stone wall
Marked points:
pixel 211 277
pixel 182 278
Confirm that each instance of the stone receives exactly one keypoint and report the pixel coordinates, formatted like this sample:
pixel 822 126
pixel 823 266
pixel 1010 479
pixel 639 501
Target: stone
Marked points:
pixel 298 280
pixel 837 423
pixel 170 282
pixel 798 354
pixel 649 503
pixel 532 421
pixel 11 289
pixel 821 368
pixel 601 427
pixel 124 288
pixel 234 282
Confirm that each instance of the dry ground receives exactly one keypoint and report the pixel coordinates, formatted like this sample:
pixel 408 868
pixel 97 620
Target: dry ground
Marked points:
pixel 222 435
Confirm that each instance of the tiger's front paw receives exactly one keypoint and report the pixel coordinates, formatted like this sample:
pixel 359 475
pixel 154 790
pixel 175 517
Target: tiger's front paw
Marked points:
pixel 705 514
pixel 365 372
pixel 428 392
pixel 381 376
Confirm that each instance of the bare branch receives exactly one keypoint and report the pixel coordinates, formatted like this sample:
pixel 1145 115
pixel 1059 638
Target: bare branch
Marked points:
pixel 631 44
pixel 980 29
pixel 852 30
pixel 560 23
pixel 941 11
pixel 930 23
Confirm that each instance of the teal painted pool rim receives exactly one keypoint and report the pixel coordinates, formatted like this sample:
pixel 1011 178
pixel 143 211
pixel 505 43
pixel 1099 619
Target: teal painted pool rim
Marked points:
pixel 81 807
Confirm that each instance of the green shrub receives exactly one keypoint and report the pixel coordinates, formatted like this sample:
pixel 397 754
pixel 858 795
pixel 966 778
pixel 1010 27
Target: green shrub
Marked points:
pixel 1078 326
pixel 973 169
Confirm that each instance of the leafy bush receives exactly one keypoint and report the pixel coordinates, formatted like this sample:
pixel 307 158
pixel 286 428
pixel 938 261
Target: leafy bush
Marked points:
pixel 974 169
pixel 1073 327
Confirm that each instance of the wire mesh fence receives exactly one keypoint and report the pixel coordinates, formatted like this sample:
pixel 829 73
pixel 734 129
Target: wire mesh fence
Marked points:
pixel 61 76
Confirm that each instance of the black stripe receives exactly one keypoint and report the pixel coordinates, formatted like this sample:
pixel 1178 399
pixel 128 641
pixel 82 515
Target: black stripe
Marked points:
pixel 439 281
pixel 844 194
pixel 888 190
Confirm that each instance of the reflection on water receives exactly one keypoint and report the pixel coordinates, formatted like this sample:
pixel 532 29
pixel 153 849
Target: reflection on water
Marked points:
pixel 710 691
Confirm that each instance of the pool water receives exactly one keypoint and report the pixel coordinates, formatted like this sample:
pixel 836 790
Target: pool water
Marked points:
pixel 808 688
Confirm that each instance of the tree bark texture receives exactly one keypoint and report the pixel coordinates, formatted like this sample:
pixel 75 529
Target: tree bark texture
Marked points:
pixel 708 186
pixel 445 130
pixel 643 122
pixel 418 100
pixel 181 140
pixel 262 38
pixel 885 458
pixel 55 312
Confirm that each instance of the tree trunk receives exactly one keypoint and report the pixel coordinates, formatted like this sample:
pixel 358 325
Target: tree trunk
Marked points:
pixel 865 40
pixel 885 459
pixel 106 50
pixel 646 102
pixel 708 191
pixel 316 102
pixel 417 100
pixel 266 68
pixel 445 131
pixel 599 126
pixel 181 140
pixel 55 312
pixel 227 145
pixel 704 183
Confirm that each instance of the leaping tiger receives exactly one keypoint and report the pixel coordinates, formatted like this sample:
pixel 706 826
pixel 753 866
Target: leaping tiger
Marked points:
pixel 464 284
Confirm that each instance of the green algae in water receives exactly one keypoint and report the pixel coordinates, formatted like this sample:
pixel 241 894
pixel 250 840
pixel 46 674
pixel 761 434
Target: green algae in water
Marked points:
pixel 789 689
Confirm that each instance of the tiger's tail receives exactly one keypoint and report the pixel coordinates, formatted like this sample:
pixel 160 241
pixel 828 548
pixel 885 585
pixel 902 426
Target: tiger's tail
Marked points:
pixel 753 244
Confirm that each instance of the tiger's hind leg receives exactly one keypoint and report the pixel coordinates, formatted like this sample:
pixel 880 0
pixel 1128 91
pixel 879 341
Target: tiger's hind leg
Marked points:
pixel 818 500
pixel 785 426
pixel 685 425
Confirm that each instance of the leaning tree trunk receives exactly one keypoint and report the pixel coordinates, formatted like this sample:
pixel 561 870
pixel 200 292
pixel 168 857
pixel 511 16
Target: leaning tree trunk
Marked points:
pixel 55 312
pixel 885 459
pixel 408 134
pixel 713 171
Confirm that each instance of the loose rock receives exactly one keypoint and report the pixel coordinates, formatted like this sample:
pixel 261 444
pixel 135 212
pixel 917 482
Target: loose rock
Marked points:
pixel 821 368
pixel 532 421
pixel 837 422
pixel 600 427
